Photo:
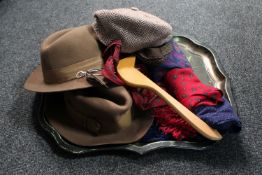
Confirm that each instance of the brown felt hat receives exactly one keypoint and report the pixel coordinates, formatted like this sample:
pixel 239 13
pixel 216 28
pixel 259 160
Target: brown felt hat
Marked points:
pixel 96 116
pixel 63 55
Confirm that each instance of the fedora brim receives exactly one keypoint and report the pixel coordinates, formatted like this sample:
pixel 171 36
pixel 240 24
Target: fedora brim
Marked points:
pixel 35 82
pixel 54 110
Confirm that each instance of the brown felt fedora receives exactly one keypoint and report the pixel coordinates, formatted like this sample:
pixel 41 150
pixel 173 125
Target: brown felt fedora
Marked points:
pixel 96 116
pixel 63 55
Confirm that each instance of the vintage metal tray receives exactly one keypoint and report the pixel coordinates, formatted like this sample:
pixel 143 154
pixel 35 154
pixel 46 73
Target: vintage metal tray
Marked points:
pixel 208 70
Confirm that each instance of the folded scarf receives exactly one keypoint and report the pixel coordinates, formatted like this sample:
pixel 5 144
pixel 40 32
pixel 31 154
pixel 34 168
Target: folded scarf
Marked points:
pixel 220 117
pixel 167 119
pixel 185 86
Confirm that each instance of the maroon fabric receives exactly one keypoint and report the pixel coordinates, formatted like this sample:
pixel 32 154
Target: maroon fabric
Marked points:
pixel 168 120
pixel 189 90
pixel 112 55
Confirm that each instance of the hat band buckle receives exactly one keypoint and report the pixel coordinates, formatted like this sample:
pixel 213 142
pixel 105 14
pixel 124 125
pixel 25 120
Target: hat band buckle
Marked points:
pixel 91 74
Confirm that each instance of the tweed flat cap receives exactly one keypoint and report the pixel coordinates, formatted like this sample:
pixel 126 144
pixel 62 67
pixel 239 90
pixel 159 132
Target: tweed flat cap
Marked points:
pixel 135 28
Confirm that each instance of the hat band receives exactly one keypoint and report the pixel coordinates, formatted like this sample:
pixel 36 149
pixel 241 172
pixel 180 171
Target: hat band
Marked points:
pixel 69 72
